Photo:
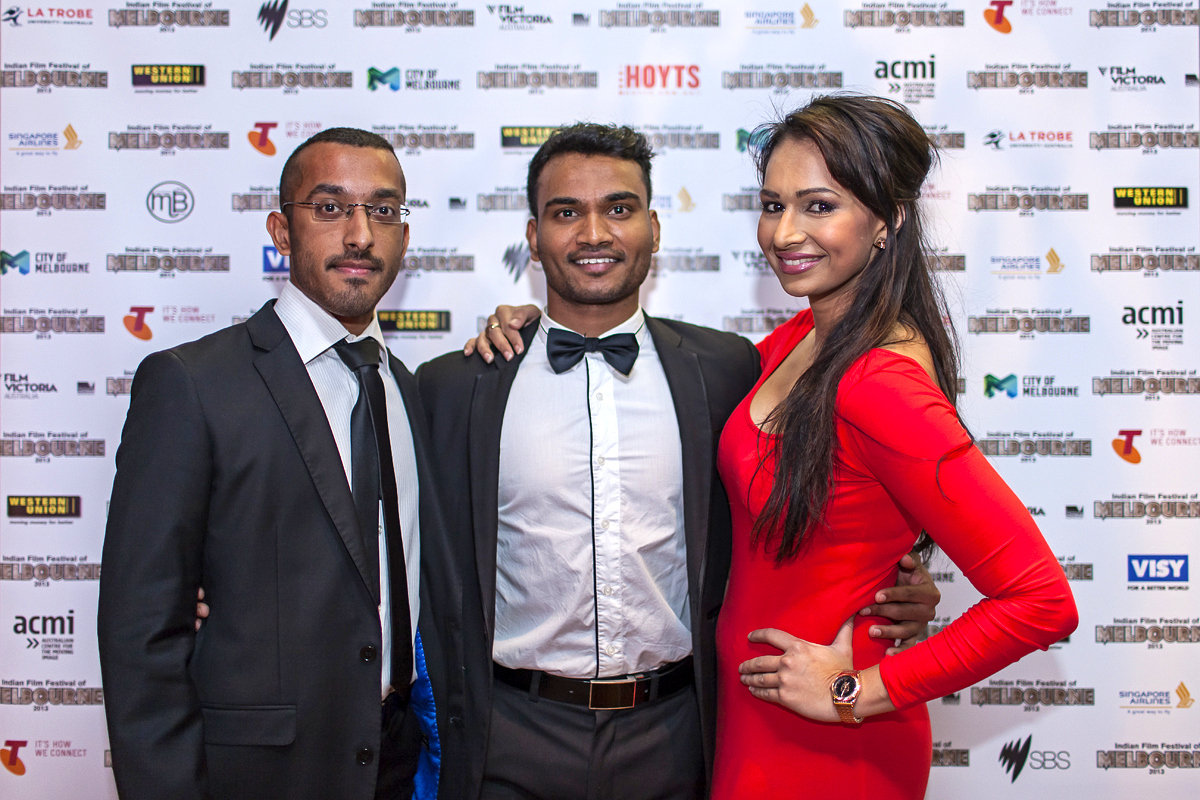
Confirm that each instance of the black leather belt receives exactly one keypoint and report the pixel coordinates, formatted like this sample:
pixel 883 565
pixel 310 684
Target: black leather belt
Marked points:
pixel 601 694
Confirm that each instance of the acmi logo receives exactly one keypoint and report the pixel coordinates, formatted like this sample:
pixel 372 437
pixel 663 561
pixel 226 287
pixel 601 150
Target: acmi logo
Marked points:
pixel 391 78
pixel 918 70
pixel 993 385
pixel 1153 315
pixel 1158 569
pixel 1123 446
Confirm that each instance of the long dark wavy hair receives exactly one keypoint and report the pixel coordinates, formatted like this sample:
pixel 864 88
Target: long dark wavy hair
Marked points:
pixel 875 149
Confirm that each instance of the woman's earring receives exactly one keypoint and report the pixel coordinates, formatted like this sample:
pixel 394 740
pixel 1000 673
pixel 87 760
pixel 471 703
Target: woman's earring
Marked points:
pixel 881 244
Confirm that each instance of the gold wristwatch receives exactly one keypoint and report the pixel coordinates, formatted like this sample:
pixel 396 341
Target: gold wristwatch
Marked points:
pixel 845 689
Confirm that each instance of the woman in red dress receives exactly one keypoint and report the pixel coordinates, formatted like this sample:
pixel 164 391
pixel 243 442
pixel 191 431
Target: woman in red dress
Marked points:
pixel 846 451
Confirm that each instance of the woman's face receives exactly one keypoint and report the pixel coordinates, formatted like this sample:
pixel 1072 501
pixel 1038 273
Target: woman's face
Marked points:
pixel 815 234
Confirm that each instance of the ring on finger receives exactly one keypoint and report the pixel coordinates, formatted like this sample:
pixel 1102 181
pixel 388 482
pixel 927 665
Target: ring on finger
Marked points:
pixel 493 325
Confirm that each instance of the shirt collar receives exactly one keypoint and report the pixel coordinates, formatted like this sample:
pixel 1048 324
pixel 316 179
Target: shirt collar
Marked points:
pixel 314 330
pixel 635 325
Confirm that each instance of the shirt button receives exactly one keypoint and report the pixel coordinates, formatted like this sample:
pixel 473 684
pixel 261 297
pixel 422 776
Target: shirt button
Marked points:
pixel 604 524
pixel 607 591
pixel 599 395
pixel 368 653
pixel 600 460
pixel 611 650
pixel 364 756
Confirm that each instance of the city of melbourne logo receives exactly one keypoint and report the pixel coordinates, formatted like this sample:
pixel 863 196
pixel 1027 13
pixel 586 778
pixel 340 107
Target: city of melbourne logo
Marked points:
pixel 1158 569
pixel 378 77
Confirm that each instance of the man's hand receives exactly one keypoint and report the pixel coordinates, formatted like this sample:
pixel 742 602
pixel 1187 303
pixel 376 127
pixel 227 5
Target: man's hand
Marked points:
pixel 910 605
pixel 202 609
pixel 502 333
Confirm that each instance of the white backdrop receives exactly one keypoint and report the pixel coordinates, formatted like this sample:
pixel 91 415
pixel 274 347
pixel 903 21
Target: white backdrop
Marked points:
pixel 142 144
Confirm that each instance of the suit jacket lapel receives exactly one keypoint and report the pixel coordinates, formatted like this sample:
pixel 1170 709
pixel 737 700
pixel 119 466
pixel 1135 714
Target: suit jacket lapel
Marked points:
pixel 287 380
pixel 690 399
pixel 488 403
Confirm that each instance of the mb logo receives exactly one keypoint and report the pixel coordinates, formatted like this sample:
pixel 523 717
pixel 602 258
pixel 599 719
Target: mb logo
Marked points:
pixel 170 201
pixel 993 385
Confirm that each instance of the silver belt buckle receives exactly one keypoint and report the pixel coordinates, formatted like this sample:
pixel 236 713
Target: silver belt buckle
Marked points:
pixel 612 694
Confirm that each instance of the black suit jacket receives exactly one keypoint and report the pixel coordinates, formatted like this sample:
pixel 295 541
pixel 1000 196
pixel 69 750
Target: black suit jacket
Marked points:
pixel 708 373
pixel 228 477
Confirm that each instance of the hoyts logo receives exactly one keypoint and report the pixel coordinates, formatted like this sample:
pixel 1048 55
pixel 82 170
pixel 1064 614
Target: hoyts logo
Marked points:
pixel 660 76
pixel 1158 569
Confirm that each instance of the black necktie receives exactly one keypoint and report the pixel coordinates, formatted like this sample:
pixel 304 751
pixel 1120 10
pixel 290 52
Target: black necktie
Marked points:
pixel 566 349
pixel 374 478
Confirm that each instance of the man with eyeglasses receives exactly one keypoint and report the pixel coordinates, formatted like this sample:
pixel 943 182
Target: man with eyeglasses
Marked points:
pixel 282 464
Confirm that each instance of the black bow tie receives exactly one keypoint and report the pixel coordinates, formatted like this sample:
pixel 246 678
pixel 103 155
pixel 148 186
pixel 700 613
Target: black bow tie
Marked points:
pixel 566 349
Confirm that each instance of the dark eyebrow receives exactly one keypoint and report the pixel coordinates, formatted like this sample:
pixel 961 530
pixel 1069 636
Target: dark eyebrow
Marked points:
pixel 764 192
pixel 614 197
pixel 334 189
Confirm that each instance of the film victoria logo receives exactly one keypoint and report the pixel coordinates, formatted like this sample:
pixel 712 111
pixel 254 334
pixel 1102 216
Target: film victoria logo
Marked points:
pixel 168 139
pixel 754 264
pixel 1161 327
pixel 781 78
pixel 274 15
pixel 57 263
pixel 1029 446
pixel 412 16
pixel 904 17
pixel 1027 323
pixel 1150 200
pixel 658 79
pixel 410 322
pixel 1018 755
pixel 1157 572
pixel 1026 267
pixel 1150 260
pixel 46 200
pixel 1125 78
pixel 170 201
pixel 518 17
pixel 52 636
pixel 43 323
pixel 913 80
pixel 20 386
pixel 413 140
pixel 136 15
pixel 166 262
pixel 537 78
pixel 291 78
pixel 1027 200
pixel 1155 701
pixel 166 78
pixel 43 143
pixel 46 77
pixel 778 22
pixel 16 16
pixel 1027 78
pixel 651 15
pixel 25 509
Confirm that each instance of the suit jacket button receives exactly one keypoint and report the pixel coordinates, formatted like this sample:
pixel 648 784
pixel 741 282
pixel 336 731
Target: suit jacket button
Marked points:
pixel 368 653
pixel 364 756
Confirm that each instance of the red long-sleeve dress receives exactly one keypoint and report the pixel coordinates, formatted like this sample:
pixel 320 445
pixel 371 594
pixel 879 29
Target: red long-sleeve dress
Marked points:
pixel 903 463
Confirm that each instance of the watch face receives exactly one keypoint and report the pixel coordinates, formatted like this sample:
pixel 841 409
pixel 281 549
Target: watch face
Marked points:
pixel 843 686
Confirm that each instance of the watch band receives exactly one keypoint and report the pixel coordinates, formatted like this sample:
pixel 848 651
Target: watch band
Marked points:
pixel 845 688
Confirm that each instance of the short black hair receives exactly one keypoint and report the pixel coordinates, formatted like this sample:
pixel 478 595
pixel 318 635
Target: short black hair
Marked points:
pixel 354 137
pixel 590 139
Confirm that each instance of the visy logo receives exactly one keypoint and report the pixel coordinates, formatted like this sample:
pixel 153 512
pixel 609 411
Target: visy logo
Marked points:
pixel 1158 568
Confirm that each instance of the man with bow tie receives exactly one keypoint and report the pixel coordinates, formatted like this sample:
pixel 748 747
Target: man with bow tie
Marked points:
pixel 585 472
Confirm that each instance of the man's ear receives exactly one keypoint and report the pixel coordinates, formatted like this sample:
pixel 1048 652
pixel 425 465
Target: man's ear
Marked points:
pixel 277 226
pixel 531 238
pixel 654 228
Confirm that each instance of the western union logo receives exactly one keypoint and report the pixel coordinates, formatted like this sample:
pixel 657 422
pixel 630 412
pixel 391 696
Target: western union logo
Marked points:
pixel 1150 197
pixel 168 74
pixel 524 135
pixel 419 321
pixel 23 506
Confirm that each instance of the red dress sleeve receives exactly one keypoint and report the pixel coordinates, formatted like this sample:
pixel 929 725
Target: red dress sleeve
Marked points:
pixel 905 432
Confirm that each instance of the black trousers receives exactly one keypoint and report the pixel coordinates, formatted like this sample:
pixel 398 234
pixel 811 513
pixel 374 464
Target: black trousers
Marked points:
pixel 399 750
pixel 543 750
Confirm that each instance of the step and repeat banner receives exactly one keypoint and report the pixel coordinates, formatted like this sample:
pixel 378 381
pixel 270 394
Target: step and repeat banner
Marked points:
pixel 142 145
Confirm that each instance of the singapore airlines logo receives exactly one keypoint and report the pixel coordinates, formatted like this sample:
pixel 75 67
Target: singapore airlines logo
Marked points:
pixel 1185 697
pixel 1054 264
pixel 73 140
pixel 810 19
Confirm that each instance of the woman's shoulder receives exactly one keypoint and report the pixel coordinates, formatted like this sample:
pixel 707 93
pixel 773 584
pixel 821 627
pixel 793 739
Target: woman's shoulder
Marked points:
pixel 784 337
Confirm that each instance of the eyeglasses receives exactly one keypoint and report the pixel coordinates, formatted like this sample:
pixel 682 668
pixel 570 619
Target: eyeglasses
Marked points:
pixel 330 211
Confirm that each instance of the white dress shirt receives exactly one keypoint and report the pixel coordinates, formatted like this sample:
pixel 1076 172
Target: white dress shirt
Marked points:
pixel 314 332
pixel 591 565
